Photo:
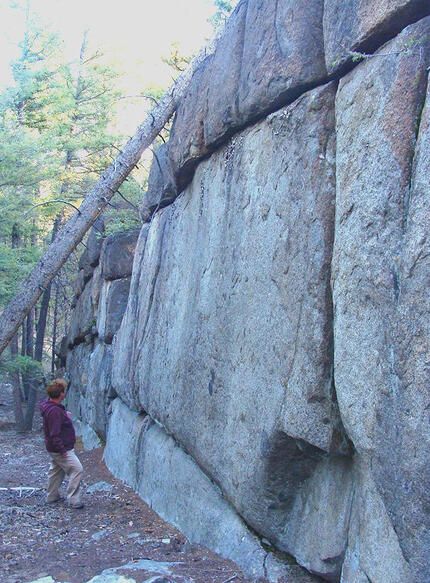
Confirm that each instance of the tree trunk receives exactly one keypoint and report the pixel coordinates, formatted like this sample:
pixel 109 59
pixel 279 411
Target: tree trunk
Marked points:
pixel 23 338
pixel 54 327
pixel 95 202
pixel 44 307
pixel 17 401
pixel 33 385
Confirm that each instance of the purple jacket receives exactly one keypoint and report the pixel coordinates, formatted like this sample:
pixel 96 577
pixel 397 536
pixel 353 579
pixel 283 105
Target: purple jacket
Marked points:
pixel 58 427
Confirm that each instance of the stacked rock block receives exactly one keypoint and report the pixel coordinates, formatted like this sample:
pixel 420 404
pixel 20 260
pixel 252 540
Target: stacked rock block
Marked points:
pixel 101 293
pixel 271 368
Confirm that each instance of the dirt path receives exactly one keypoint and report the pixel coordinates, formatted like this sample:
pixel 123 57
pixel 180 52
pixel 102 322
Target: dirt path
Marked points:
pixel 115 528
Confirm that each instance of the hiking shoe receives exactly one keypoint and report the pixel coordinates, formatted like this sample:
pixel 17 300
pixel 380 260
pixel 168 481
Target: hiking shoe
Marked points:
pixel 55 500
pixel 77 506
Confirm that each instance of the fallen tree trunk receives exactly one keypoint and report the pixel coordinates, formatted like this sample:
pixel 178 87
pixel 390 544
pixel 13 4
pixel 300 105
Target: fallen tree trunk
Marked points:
pixel 93 205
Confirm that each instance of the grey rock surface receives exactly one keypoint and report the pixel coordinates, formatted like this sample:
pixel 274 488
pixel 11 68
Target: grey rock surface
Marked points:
pixel 85 266
pixel 283 54
pixel 90 439
pixel 186 144
pixel 261 63
pixel 162 189
pixel 117 255
pixel 165 471
pixel 123 443
pixel 254 272
pixel 79 283
pixel 364 25
pixel 126 349
pixel 99 394
pixel 95 241
pixel 100 487
pixel 77 364
pixel 366 558
pixel 112 304
pixel 170 481
pixel 222 81
pixel 380 280
pixel 83 317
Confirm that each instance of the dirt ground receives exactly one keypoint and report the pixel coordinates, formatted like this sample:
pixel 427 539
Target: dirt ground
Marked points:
pixel 115 528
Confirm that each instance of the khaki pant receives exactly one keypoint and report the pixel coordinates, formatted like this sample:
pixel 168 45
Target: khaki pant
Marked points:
pixel 61 466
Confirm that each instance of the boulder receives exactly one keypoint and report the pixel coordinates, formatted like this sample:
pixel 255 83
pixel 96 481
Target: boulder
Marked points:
pixel 95 241
pixel 380 278
pixel 366 558
pixel 95 409
pixel 162 189
pixel 283 55
pixel 112 304
pixel 77 365
pixel 365 25
pixel 85 265
pixel 123 443
pixel 79 284
pixel 83 319
pixel 125 348
pixel 221 116
pixel 186 144
pixel 261 62
pixel 117 255
pixel 96 286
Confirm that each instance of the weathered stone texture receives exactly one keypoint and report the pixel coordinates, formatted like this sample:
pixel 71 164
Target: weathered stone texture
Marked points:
pixel 364 25
pixel 126 349
pixel 83 318
pixel 261 63
pixel 117 255
pixel 232 324
pixel 186 145
pixel 380 281
pixel 142 454
pixel 99 393
pixel 95 241
pixel 221 115
pixel 123 443
pixel 113 301
pixel 162 188
pixel 283 54
pixel 78 365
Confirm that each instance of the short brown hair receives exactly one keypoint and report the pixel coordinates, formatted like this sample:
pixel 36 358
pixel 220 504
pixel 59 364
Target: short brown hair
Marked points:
pixel 56 387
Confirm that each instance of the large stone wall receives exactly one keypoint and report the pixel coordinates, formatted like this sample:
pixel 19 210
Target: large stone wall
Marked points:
pixel 267 388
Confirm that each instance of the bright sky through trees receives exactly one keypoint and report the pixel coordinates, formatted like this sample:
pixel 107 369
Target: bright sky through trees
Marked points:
pixel 134 33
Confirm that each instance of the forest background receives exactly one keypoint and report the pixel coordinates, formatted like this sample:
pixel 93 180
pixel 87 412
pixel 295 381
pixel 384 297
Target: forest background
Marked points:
pixel 69 98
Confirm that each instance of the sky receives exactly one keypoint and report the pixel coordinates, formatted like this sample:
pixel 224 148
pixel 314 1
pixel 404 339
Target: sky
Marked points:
pixel 133 33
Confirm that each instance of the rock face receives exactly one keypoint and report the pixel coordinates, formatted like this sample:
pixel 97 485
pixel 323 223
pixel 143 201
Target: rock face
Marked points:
pixel 364 25
pixel 379 294
pixel 269 377
pixel 97 316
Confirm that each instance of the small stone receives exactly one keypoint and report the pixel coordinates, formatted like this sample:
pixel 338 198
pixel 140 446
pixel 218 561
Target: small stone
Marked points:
pixel 99 487
pixel 99 535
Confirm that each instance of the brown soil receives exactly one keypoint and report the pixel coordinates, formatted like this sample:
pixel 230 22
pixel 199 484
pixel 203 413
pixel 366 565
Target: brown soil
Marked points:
pixel 115 528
